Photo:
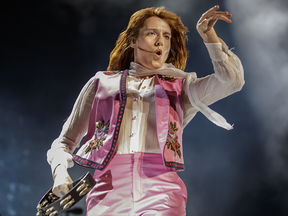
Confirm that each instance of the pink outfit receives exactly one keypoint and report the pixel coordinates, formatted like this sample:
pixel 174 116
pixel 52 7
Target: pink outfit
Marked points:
pixel 137 184
pixel 109 107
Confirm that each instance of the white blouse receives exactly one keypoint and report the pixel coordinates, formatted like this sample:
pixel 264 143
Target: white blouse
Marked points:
pixel 138 128
pixel 139 133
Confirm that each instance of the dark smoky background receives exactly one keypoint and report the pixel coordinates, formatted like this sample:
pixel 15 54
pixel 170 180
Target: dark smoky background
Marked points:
pixel 49 49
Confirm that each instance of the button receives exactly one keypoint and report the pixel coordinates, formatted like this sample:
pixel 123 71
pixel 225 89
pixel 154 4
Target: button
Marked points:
pixel 133 134
pixel 143 87
pixel 134 117
pixel 135 99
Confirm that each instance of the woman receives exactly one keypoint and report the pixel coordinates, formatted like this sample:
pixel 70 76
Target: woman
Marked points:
pixel 134 118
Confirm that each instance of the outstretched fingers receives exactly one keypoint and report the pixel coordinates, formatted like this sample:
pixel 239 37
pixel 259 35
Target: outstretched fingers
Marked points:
pixel 210 17
pixel 208 13
pixel 225 16
pixel 213 14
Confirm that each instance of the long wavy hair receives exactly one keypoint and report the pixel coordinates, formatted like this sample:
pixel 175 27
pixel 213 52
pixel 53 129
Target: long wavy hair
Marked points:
pixel 123 53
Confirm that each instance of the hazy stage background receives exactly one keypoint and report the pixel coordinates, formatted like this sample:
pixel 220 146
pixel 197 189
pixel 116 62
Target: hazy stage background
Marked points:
pixel 49 49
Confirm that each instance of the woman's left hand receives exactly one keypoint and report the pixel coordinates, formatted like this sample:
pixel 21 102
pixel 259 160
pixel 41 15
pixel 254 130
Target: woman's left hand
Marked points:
pixel 205 25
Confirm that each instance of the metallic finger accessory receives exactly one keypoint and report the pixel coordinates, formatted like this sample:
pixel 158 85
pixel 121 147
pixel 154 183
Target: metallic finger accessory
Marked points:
pixel 52 205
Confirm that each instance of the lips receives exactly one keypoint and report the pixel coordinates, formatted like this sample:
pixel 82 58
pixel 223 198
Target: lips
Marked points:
pixel 158 53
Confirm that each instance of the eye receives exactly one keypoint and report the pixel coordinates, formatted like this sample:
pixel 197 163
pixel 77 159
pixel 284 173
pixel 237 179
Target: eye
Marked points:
pixel 151 33
pixel 167 37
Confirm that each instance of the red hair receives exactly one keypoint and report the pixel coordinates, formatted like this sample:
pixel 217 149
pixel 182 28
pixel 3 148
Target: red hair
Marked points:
pixel 123 54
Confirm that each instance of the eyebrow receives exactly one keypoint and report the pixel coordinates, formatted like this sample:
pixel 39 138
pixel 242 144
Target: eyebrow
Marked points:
pixel 157 30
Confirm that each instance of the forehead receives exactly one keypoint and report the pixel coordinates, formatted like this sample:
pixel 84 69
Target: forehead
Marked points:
pixel 156 23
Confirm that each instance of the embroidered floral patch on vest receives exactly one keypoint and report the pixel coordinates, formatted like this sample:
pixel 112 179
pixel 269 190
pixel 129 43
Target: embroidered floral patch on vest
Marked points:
pixel 100 132
pixel 167 78
pixel 111 72
pixel 172 139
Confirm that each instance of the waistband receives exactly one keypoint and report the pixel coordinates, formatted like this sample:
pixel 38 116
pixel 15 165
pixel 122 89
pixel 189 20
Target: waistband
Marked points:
pixel 153 158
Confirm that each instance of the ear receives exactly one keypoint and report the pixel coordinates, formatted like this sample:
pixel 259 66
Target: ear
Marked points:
pixel 132 42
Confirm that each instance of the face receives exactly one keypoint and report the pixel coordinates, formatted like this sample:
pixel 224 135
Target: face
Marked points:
pixel 152 46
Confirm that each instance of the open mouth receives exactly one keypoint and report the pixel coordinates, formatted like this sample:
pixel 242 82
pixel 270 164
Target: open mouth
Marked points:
pixel 158 53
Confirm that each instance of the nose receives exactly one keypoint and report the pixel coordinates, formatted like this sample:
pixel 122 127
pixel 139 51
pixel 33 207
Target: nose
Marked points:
pixel 159 42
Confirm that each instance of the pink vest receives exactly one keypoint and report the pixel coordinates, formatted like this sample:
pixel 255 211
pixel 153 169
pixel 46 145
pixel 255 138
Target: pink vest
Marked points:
pixel 107 113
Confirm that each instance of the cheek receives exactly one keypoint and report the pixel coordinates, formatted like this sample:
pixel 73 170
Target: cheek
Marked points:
pixel 166 52
pixel 142 42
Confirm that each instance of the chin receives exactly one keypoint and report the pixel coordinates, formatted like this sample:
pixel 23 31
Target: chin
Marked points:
pixel 152 65
pixel 156 66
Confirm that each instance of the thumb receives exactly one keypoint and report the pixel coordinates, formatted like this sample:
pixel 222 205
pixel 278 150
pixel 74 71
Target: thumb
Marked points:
pixel 202 26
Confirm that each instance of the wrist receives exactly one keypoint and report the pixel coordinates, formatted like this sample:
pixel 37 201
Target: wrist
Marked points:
pixel 210 36
pixel 58 169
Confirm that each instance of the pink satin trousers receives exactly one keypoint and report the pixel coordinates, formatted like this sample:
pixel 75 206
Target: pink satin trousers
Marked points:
pixel 137 184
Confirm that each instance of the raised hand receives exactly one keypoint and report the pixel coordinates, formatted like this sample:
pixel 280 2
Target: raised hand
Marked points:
pixel 205 25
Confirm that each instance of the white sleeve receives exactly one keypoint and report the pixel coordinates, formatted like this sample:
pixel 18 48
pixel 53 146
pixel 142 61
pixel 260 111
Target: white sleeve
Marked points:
pixel 73 130
pixel 203 92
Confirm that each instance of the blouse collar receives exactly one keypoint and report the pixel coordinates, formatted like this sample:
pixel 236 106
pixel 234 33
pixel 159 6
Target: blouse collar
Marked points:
pixel 167 69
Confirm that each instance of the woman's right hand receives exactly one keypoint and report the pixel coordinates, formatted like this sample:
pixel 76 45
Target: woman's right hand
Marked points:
pixel 61 181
